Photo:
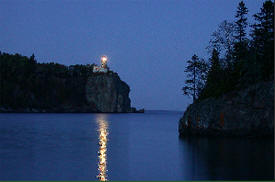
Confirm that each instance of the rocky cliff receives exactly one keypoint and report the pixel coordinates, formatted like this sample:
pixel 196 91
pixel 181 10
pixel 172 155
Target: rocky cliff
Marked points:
pixel 107 93
pixel 28 86
pixel 102 92
pixel 248 112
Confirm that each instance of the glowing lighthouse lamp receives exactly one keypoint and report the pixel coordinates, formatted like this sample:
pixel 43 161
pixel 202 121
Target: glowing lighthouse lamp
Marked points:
pixel 103 68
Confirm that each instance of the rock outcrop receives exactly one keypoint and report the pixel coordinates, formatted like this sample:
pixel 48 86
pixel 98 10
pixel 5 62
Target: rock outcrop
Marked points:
pixel 248 112
pixel 102 92
pixel 107 93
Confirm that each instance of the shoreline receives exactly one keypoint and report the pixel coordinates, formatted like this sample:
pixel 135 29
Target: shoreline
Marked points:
pixel 76 112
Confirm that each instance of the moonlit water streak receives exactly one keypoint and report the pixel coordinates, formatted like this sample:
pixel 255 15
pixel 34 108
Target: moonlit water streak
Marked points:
pixel 102 152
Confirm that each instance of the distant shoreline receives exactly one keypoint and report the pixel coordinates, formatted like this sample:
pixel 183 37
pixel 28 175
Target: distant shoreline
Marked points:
pixel 57 112
pixel 145 111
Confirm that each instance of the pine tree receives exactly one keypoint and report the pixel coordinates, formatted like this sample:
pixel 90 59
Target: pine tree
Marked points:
pixel 241 22
pixel 214 77
pixel 240 46
pixel 215 63
pixel 196 70
pixel 263 39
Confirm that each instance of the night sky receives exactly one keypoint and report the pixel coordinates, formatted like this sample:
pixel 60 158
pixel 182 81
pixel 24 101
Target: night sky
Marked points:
pixel 148 42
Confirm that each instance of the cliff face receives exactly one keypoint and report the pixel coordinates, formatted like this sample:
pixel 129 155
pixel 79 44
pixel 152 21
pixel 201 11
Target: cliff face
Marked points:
pixel 101 92
pixel 248 112
pixel 107 93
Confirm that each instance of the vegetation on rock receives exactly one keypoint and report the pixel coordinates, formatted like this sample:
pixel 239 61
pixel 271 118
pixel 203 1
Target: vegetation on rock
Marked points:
pixel 234 95
pixel 236 61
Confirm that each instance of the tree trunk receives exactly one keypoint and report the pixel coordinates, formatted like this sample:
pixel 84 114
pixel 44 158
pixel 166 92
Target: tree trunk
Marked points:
pixel 194 85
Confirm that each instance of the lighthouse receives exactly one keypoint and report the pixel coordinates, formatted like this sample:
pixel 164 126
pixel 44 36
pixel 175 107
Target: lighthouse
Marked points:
pixel 103 68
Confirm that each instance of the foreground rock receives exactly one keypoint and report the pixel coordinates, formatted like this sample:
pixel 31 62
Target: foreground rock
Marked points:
pixel 248 112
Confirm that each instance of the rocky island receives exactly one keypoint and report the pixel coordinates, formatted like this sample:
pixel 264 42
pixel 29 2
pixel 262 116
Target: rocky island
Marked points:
pixel 28 86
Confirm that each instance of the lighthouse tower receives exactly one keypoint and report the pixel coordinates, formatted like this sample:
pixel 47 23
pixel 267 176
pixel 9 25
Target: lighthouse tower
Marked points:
pixel 103 68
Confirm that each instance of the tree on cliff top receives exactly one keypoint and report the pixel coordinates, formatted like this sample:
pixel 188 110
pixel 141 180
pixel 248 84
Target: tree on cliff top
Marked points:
pixel 223 40
pixel 196 70
pixel 241 22
pixel 241 44
pixel 214 85
pixel 263 39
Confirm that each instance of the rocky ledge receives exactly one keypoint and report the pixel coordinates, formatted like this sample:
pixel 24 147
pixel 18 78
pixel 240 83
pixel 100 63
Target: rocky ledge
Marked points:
pixel 248 112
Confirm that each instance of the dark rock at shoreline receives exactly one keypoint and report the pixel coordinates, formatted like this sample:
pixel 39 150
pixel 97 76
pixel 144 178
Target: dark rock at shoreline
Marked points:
pixel 134 110
pixel 140 111
pixel 249 112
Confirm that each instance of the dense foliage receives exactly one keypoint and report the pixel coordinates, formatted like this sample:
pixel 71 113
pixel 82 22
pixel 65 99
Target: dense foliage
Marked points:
pixel 237 61
pixel 24 83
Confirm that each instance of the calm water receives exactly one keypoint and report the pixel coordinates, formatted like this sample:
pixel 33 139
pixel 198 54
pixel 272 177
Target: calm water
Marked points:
pixel 123 147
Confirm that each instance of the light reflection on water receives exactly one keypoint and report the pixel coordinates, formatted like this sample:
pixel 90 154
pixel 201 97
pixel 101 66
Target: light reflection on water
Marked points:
pixel 102 152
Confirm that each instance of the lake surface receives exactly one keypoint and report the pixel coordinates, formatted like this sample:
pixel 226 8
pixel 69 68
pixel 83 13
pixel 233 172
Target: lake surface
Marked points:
pixel 123 147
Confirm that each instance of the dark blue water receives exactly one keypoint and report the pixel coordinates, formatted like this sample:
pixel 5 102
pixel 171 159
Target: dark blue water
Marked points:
pixel 123 147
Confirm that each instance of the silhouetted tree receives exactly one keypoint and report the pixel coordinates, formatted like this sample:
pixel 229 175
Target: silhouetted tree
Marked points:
pixel 240 47
pixel 215 66
pixel 214 82
pixel 223 40
pixel 236 62
pixel 32 58
pixel 196 69
pixel 263 39
pixel 241 44
pixel 241 22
